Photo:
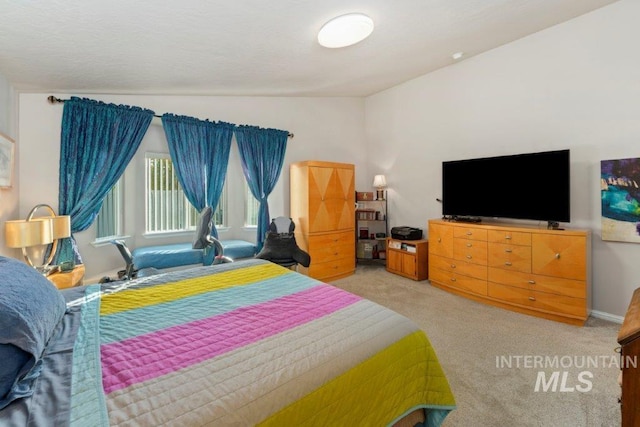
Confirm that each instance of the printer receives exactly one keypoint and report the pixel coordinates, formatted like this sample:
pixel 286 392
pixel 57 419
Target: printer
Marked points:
pixel 406 233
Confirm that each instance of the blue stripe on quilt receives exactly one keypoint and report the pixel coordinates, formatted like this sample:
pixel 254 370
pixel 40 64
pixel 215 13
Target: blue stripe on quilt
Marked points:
pixel 124 325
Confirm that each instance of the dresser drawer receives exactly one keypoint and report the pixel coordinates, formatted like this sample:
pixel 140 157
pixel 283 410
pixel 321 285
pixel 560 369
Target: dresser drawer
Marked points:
pixel 458 266
pixel 509 257
pixel 341 238
pixel 558 255
pixel 470 233
pixel 458 281
pixel 534 282
pixel 470 250
pixel 331 246
pixel 441 240
pixel 539 300
pixel 328 269
pixel 510 237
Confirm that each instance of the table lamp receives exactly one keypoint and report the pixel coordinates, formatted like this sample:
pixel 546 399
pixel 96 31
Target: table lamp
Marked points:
pixel 380 183
pixel 33 234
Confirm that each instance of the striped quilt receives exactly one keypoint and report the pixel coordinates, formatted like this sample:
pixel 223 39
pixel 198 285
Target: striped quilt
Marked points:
pixel 248 343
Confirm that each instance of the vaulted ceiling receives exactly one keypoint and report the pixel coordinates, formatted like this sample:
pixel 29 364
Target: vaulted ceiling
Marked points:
pixel 252 47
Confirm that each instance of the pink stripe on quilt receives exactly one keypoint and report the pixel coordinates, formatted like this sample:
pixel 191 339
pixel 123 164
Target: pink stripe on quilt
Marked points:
pixel 152 355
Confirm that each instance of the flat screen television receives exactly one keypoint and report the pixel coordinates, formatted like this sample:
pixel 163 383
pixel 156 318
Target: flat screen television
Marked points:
pixel 532 186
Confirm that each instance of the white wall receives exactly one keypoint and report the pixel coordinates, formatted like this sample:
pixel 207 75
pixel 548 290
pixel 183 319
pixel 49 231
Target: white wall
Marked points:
pixel 572 86
pixel 8 196
pixel 324 128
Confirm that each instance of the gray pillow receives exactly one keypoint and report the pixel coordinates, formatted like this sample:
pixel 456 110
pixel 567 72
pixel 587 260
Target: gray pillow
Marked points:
pixel 30 309
pixel 203 231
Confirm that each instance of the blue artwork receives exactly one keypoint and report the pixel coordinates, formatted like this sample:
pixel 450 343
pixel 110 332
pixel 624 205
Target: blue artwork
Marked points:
pixel 620 192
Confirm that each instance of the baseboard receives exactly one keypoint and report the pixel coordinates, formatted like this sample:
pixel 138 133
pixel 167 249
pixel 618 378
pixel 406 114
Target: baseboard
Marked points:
pixel 606 316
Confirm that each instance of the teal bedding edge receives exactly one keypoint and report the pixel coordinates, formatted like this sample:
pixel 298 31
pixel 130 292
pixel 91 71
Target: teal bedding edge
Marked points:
pixel 88 405
pixel 434 415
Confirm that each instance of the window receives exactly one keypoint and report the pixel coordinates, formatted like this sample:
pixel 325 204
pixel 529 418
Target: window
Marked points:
pixel 109 220
pixel 251 207
pixel 220 214
pixel 168 209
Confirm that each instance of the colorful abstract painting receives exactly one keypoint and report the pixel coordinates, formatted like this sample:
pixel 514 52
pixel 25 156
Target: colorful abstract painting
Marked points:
pixel 620 191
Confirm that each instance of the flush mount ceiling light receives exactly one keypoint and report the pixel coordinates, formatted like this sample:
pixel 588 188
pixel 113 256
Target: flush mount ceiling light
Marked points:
pixel 345 30
pixel 457 55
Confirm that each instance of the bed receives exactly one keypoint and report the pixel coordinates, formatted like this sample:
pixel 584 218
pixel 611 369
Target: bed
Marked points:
pixel 239 344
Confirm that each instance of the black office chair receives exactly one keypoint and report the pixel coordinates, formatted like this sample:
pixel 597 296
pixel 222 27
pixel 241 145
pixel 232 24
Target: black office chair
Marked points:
pixel 280 246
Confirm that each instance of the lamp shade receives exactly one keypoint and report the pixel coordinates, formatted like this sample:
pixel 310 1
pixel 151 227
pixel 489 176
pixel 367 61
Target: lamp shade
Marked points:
pixel 61 226
pixel 379 181
pixel 23 234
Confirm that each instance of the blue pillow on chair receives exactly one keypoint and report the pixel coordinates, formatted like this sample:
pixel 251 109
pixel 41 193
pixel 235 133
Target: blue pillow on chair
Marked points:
pixel 203 230
pixel 30 310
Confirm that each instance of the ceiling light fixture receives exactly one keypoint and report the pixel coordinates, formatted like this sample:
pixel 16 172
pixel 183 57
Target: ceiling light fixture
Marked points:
pixel 457 55
pixel 345 30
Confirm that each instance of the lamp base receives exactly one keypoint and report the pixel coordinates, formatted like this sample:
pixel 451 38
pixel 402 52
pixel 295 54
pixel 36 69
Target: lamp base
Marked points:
pixel 379 194
pixel 46 270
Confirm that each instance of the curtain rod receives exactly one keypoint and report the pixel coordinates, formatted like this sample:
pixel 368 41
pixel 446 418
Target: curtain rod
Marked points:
pixel 52 100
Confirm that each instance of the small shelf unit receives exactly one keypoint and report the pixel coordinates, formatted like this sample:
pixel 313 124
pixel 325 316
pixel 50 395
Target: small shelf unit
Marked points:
pixel 371 230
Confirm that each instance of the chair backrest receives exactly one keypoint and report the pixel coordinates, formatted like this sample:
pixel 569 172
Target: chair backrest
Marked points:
pixel 282 225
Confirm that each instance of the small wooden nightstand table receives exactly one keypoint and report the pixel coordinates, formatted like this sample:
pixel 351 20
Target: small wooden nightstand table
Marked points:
pixel 408 258
pixel 68 279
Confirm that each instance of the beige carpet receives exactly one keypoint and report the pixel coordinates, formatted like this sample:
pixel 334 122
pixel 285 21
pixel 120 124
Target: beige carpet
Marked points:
pixel 475 343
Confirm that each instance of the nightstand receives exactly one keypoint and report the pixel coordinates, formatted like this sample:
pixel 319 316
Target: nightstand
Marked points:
pixel 68 279
pixel 408 258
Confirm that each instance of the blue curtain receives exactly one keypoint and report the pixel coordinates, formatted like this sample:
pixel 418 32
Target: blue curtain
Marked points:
pixel 199 151
pixel 262 155
pixel 97 142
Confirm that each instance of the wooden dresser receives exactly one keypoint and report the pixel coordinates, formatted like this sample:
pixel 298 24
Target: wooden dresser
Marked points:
pixel 629 340
pixel 531 270
pixel 322 197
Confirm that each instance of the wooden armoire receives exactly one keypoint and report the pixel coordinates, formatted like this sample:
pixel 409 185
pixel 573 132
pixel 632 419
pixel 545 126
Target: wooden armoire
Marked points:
pixel 322 198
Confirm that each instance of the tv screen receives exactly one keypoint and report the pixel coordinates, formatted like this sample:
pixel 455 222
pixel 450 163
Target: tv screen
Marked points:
pixel 531 186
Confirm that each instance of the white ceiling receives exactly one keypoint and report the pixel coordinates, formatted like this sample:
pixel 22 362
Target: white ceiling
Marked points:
pixel 251 47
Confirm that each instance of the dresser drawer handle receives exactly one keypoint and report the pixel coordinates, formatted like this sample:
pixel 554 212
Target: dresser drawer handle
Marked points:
pixel 469 233
pixel 557 256
pixel 469 245
pixel 508 250
pixel 453 279
pixel 439 239
pixel 507 237
pixel 508 264
pixel 468 256
pixel 532 282
pixel 453 266
pixel 532 298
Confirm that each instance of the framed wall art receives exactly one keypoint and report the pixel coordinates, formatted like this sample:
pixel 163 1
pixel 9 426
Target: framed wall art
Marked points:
pixel 620 193
pixel 6 160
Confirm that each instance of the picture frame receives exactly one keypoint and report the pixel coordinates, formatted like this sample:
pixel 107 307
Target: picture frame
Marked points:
pixel 7 154
pixel 620 196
